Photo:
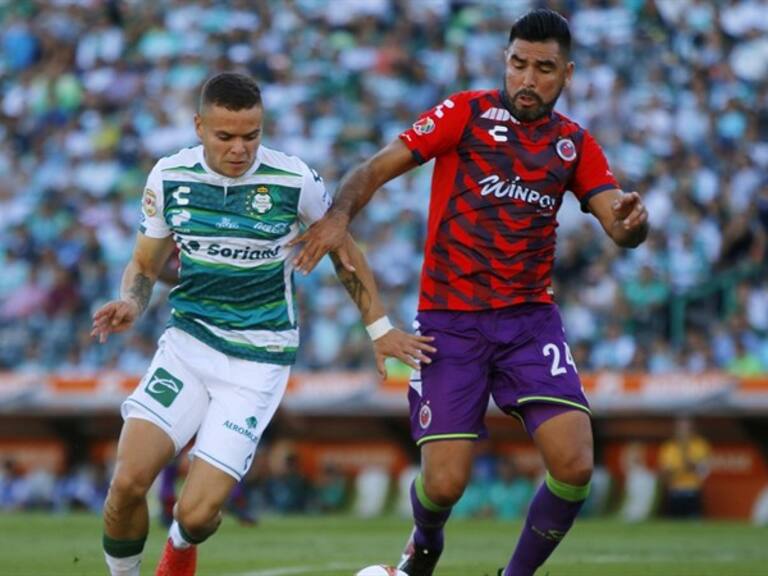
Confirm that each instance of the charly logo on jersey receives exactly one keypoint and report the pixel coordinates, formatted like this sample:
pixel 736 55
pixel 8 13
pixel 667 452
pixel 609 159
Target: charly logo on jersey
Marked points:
pixel 164 387
pixel 499 133
pixel 566 149
pixel 505 188
pixel 258 200
pixel 425 416
pixel 247 430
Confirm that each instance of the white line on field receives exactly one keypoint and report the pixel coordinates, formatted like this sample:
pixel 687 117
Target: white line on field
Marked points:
pixel 297 570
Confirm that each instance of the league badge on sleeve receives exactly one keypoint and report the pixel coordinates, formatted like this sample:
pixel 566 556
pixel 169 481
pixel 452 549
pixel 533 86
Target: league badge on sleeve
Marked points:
pixel 149 202
pixel 424 126
pixel 566 149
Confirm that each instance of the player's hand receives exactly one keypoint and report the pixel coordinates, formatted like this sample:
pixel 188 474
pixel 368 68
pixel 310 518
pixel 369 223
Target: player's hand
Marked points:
pixel 411 349
pixel 114 316
pixel 325 235
pixel 629 211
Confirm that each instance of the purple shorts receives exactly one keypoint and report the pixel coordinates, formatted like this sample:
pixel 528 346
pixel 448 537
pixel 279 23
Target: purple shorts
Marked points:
pixel 517 355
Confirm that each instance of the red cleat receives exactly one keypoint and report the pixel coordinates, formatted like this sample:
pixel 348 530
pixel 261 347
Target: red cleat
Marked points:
pixel 175 562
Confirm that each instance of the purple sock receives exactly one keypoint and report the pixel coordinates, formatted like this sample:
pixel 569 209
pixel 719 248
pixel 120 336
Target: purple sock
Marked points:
pixel 428 518
pixel 168 482
pixel 550 515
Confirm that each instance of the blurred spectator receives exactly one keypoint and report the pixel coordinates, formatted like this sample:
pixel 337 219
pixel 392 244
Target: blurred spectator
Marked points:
pixel 11 486
pixel 93 93
pixel 474 502
pixel 287 489
pixel 744 362
pixel 640 484
pixel 510 492
pixel 684 465
pixel 331 489
pixel 83 488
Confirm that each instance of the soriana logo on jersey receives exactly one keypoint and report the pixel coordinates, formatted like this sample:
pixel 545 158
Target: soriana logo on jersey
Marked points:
pixel 424 126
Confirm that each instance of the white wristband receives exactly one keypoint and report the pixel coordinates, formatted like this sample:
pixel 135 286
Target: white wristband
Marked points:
pixel 378 328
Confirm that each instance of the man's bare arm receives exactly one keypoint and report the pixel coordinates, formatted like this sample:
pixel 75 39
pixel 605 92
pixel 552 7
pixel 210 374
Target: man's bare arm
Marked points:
pixel 358 186
pixel 355 191
pixel 388 342
pixel 149 257
pixel 622 215
pixel 360 283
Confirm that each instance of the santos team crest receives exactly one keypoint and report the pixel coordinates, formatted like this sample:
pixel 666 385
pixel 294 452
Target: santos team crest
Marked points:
pixel 259 200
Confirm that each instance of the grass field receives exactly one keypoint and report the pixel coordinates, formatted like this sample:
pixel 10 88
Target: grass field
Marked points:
pixel 43 545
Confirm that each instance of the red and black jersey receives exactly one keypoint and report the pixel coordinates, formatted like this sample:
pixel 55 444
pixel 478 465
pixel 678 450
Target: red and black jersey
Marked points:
pixel 496 189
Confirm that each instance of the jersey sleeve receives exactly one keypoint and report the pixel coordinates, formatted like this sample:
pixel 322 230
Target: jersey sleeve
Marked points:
pixel 439 129
pixel 153 223
pixel 593 174
pixel 314 200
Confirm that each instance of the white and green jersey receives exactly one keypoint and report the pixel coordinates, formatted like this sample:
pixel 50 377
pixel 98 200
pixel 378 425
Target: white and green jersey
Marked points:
pixel 235 290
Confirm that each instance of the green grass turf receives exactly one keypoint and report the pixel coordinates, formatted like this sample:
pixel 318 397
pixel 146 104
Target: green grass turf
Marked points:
pixel 68 545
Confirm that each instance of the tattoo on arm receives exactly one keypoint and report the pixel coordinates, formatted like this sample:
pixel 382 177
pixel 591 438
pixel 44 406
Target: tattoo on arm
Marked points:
pixel 355 288
pixel 140 291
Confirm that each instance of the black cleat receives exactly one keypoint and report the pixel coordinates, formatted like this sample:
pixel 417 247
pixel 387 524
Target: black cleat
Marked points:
pixel 418 561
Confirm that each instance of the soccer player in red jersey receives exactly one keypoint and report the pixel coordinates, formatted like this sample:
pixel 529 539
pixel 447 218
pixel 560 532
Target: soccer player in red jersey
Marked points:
pixel 504 160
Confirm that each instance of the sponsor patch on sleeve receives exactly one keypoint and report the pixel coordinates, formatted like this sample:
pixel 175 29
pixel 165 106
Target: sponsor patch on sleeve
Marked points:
pixel 424 126
pixel 149 202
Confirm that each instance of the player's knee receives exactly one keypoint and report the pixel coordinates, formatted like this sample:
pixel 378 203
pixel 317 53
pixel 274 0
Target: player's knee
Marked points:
pixel 445 487
pixel 129 486
pixel 199 519
pixel 576 470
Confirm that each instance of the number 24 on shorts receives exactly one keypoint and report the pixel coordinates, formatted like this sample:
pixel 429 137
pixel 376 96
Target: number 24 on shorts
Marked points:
pixel 551 349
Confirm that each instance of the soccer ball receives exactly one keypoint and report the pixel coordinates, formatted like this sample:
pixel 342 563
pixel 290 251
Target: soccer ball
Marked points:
pixel 380 570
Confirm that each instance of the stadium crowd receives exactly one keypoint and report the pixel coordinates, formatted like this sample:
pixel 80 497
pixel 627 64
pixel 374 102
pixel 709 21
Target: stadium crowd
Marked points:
pixel 94 91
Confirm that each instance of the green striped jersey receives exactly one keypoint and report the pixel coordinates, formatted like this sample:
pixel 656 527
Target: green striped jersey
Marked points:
pixel 235 290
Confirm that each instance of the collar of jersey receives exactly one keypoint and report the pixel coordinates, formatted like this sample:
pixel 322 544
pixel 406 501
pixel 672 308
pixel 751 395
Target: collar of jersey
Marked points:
pixel 541 121
pixel 250 172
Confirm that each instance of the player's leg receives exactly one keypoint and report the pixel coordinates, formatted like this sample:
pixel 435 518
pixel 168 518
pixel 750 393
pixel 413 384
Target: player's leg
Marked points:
pixel 202 497
pixel 243 399
pixel 535 377
pixel 197 515
pixel 565 443
pixel 142 452
pixel 446 467
pixel 161 415
pixel 448 399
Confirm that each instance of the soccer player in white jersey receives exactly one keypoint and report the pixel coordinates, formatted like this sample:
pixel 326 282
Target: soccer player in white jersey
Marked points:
pixel 221 368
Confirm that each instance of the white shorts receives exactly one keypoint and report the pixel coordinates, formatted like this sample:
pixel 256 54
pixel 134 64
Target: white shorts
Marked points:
pixel 190 388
